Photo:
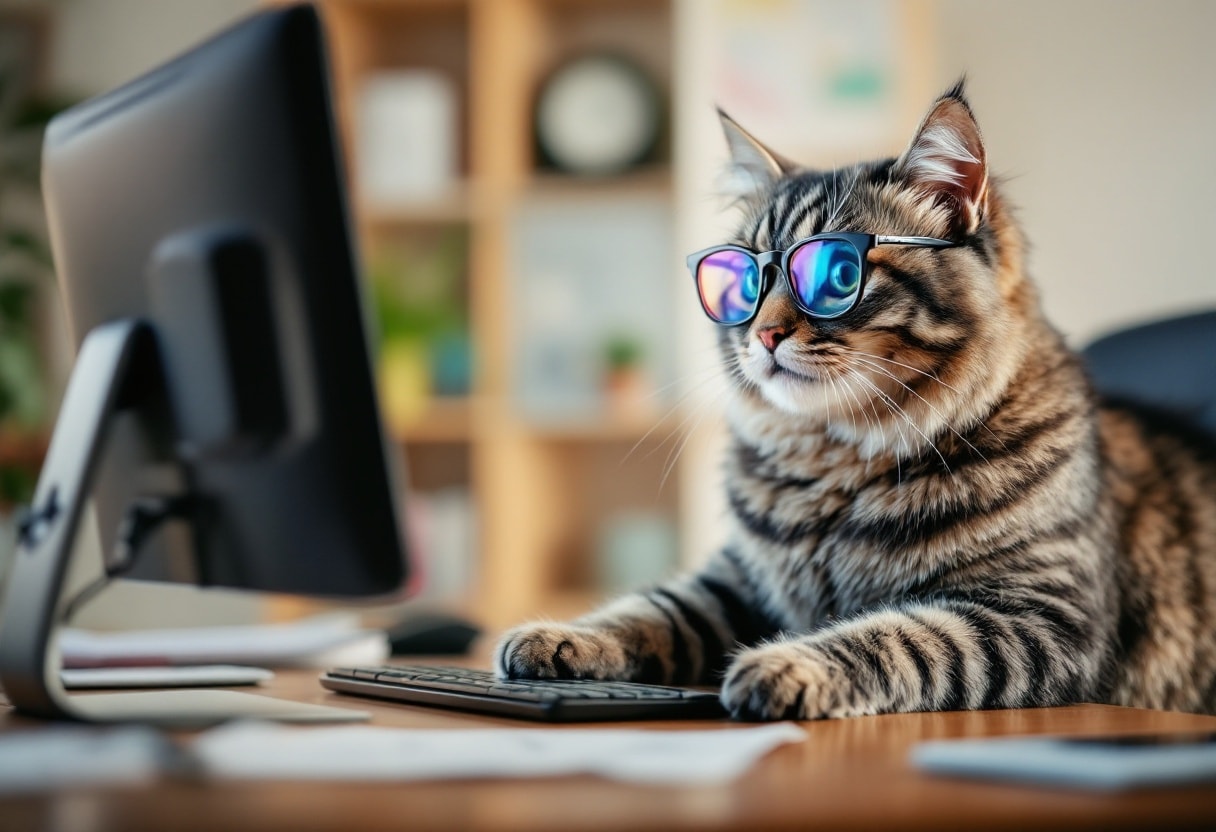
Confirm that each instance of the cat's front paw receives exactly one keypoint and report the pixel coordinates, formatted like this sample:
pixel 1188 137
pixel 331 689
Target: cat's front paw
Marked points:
pixel 559 651
pixel 785 680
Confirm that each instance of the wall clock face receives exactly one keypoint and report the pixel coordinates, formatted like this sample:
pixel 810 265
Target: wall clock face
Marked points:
pixel 597 114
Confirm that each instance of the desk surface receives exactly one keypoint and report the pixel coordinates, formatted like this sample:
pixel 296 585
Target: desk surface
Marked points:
pixel 847 774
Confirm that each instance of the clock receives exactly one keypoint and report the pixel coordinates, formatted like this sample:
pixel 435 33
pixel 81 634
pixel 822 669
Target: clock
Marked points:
pixel 598 114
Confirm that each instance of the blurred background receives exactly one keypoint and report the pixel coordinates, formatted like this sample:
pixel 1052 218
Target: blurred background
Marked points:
pixel 526 176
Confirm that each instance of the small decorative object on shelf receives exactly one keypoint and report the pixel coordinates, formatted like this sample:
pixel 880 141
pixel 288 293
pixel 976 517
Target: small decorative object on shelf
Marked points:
pixel 598 114
pixel 408 142
pixel 424 334
pixel 627 385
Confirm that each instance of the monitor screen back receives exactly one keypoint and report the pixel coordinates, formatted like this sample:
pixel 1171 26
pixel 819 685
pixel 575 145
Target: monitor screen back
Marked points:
pixel 238 131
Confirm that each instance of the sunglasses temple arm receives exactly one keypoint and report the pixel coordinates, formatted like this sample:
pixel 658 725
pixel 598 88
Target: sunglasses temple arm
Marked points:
pixel 928 242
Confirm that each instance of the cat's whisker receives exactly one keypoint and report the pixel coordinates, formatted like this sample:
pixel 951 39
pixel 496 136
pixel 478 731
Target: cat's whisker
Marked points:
pixel 677 432
pixel 863 354
pixel 882 432
pixel 906 417
pixel 876 425
pixel 840 405
pixel 870 355
pixel 879 369
pixel 899 431
pixel 844 382
pixel 848 389
pixel 677 405
pixel 698 375
pixel 682 436
pixel 671 466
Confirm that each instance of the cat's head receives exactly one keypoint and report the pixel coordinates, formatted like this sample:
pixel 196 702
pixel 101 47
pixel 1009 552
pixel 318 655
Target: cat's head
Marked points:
pixel 935 332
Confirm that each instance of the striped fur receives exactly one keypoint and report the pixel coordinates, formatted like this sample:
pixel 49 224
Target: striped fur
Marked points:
pixel 930 509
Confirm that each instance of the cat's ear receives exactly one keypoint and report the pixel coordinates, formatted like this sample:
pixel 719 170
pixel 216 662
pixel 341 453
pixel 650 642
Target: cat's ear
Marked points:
pixel 946 160
pixel 753 167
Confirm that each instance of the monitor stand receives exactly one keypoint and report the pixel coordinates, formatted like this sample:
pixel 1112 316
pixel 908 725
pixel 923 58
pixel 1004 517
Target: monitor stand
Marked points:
pixel 114 359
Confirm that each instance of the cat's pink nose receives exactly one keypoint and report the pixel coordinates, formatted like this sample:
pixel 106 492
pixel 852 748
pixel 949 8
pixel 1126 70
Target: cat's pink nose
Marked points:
pixel 771 336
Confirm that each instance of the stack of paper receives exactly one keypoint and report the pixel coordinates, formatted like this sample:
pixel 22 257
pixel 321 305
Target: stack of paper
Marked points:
pixel 322 641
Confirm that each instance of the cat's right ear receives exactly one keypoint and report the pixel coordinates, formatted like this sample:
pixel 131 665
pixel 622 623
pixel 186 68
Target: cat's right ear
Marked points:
pixel 753 167
pixel 946 160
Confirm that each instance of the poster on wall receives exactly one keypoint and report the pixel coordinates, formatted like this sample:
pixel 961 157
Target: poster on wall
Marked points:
pixel 810 77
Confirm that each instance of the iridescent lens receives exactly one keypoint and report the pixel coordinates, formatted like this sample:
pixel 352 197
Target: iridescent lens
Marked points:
pixel 827 276
pixel 729 283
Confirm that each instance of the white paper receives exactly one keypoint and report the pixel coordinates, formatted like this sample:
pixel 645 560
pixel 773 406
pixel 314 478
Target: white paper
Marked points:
pixel 320 641
pixel 255 751
pixel 226 675
pixel 58 757
pixel 1057 761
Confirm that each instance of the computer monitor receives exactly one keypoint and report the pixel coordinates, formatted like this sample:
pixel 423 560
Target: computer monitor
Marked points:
pixel 221 415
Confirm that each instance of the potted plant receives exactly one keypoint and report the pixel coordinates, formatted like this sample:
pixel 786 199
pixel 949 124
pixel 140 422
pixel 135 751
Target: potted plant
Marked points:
pixel 626 385
pixel 25 269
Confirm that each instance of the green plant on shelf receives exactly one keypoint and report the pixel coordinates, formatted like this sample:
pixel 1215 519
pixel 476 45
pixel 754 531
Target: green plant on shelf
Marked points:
pixel 626 382
pixel 623 353
pixel 418 290
pixel 25 269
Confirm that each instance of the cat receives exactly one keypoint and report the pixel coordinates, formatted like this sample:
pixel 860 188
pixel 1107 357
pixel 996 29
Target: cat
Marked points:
pixel 930 509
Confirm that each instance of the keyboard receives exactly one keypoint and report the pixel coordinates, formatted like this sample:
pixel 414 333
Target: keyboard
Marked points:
pixel 549 700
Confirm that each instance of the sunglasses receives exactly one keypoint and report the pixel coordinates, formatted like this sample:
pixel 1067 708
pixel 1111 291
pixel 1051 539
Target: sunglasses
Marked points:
pixel 826 274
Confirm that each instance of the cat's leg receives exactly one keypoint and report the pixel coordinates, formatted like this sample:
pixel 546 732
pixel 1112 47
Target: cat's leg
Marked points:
pixel 679 633
pixel 948 654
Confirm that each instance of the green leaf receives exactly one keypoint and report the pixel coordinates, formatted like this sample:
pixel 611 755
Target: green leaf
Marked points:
pixel 16 305
pixel 24 242
pixel 17 484
pixel 21 381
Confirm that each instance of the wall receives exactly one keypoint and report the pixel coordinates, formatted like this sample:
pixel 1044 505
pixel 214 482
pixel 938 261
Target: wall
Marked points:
pixel 1101 114
pixel 100 44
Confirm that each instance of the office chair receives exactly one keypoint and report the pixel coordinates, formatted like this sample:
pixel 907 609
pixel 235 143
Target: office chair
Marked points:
pixel 1169 364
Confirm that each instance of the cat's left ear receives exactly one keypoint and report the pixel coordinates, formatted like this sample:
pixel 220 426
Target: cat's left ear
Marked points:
pixel 753 167
pixel 946 160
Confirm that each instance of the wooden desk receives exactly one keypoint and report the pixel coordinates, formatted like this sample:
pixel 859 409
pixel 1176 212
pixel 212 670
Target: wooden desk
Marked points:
pixel 848 774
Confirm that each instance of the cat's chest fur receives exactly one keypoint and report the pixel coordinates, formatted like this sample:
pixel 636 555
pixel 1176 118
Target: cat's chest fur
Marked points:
pixel 795 498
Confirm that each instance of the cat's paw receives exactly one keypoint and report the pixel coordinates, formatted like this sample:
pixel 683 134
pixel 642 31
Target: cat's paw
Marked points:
pixel 559 651
pixel 785 680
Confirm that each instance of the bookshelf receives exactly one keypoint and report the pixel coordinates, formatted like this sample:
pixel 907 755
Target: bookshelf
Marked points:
pixel 546 486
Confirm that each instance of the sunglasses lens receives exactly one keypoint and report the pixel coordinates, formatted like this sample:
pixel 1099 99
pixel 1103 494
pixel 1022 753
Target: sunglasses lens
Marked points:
pixel 827 276
pixel 729 283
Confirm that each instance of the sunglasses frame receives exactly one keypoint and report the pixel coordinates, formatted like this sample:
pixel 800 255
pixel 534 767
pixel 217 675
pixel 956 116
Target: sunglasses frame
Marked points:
pixel 780 258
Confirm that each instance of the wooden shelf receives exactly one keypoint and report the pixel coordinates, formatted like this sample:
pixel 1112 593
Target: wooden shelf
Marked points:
pixel 451 419
pixel 606 429
pixel 459 205
pixel 649 180
pixel 445 419
pixel 536 489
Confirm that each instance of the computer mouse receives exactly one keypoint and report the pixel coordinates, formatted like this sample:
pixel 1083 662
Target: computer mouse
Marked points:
pixel 432 634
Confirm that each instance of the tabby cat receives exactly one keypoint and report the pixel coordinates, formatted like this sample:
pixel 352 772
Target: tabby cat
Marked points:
pixel 930 509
